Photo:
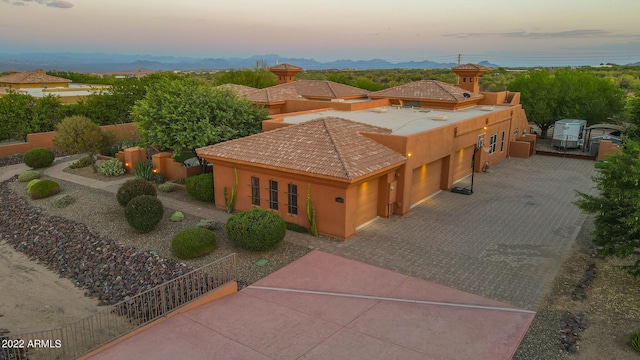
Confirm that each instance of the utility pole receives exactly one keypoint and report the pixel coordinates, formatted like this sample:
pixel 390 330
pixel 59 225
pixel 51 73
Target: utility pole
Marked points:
pixel 459 58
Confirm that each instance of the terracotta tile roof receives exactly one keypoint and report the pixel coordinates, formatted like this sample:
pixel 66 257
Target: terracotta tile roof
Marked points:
pixel 239 89
pixel 272 95
pixel 326 146
pixel 470 66
pixel 424 90
pixel 31 78
pixel 324 89
pixel 285 67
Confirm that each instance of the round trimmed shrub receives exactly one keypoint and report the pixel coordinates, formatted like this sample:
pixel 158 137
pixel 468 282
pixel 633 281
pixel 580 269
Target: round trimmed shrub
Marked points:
pixel 193 242
pixel 257 229
pixel 62 201
pixel 31 183
pixel 144 212
pixel 134 188
pixel 200 186
pixel 44 188
pixel 29 175
pixel 38 158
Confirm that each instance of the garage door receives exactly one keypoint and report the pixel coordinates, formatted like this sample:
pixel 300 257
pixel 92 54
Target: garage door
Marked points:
pixel 425 181
pixel 462 163
pixel 367 202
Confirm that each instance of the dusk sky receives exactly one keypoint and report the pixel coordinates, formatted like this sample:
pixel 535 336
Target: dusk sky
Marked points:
pixel 509 33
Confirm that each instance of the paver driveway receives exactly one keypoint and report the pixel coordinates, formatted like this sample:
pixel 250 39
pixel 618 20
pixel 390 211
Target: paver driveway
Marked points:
pixel 505 242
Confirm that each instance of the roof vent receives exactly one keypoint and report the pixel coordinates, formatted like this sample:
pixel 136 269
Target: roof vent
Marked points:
pixel 379 110
pixel 487 108
pixel 439 118
pixel 466 95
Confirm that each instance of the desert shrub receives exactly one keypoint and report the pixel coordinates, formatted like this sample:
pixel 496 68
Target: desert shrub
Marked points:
pixel 635 340
pixel 167 187
pixel 257 229
pixel 38 158
pixel 209 224
pixel 62 201
pixel 144 170
pixel 144 212
pixel 30 184
pixel 29 175
pixel 296 228
pixel 193 242
pixel 177 216
pixel 84 161
pixel 44 188
pixel 133 188
pixel 111 167
pixel 200 187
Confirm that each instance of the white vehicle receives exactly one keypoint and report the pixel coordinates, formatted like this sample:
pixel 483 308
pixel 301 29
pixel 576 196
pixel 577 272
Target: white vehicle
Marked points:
pixel 569 133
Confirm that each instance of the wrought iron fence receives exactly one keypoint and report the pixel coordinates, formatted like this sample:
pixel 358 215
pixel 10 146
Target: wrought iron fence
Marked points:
pixel 80 337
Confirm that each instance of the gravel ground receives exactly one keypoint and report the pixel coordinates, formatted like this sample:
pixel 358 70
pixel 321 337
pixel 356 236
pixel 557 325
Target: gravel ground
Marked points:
pixel 100 211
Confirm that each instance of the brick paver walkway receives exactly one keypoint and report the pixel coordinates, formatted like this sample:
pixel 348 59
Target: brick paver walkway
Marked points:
pixel 505 242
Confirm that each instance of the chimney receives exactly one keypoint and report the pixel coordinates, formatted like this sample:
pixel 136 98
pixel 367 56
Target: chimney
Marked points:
pixel 469 76
pixel 285 72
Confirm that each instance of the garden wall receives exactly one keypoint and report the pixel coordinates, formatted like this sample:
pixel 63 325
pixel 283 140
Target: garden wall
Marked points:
pixel 44 139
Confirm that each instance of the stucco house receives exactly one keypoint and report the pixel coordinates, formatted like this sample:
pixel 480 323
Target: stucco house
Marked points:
pixel 364 158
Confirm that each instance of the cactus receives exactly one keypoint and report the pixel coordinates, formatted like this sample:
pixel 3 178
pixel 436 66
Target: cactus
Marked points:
pixel 229 202
pixel 311 213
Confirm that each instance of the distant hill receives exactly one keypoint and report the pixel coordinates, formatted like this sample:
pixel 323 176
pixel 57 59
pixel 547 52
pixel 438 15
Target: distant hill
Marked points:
pixel 99 62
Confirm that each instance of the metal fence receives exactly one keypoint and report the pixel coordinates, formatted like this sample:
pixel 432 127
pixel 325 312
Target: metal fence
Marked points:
pixel 80 337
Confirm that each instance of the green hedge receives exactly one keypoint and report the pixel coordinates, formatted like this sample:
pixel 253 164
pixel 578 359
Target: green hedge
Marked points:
pixel 134 188
pixel 193 242
pixel 257 229
pixel 200 186
pixel 38 158
pixel 44 188
pixel 144 212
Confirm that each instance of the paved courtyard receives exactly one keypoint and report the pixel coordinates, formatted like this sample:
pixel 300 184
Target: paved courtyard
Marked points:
pixel 505 242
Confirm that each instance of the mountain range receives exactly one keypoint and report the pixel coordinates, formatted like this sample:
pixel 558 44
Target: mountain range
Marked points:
pixel 101 62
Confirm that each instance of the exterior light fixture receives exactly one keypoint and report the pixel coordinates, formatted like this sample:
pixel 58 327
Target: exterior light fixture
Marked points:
pixel 126 164
pixel 409 155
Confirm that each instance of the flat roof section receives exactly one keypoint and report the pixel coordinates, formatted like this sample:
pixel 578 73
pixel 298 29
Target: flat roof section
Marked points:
pixel 401 121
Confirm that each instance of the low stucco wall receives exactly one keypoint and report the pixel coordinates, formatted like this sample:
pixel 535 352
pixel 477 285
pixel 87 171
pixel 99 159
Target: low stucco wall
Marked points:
pixel 45 139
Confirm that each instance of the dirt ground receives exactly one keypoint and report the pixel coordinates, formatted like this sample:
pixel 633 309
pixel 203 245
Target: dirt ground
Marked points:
pixel 611 308
pixel 33 298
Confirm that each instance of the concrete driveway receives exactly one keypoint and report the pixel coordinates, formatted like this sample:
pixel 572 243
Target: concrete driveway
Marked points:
pixel 505 242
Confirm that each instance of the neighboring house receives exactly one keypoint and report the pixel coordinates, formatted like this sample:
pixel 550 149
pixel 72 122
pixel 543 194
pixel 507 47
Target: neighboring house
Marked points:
pixel 38 84
pixel 32 79
pixel 370 156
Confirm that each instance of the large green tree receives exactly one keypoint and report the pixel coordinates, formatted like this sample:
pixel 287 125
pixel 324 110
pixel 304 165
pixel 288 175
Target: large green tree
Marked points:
pixel 617 205
pixel 186 113
pixel 548 96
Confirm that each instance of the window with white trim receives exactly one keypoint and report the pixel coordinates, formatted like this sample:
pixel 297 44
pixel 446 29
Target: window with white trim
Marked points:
pixel 492 143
